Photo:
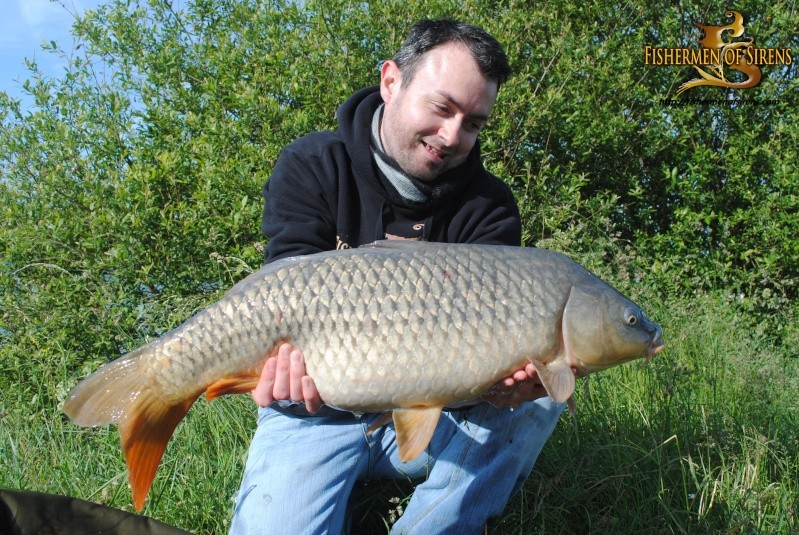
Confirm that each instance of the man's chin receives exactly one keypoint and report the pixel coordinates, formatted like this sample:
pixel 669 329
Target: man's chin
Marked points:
pixel 430 173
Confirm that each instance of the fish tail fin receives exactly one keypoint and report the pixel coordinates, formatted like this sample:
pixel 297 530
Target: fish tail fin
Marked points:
pixel 120 393
pixel 105 396
pixel 145 434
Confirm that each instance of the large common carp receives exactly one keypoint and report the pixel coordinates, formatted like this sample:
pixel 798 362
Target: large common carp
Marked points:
pixel 407 327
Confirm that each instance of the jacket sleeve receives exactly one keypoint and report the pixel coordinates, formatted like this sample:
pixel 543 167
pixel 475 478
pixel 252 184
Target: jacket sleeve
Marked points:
pixel 489 215
pixel 298 211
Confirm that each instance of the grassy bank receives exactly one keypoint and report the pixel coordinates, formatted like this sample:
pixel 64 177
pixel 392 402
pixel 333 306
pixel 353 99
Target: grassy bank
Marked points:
pixel 703 439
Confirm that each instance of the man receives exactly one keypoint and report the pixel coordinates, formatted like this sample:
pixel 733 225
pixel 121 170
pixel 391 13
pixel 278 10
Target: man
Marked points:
pixel 404 163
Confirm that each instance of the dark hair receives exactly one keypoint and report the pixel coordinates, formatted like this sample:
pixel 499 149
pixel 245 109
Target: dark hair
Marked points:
pixel 428 34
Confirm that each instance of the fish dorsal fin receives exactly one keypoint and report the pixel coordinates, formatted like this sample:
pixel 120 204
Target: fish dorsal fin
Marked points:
pixel 414 428
pixel 557 377
pixel 407 245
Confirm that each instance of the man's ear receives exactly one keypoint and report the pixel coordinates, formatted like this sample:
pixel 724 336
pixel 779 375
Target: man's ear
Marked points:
pixel 390 79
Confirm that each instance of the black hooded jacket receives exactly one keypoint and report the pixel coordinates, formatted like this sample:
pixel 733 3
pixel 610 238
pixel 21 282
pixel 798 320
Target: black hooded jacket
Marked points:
pixel 326 192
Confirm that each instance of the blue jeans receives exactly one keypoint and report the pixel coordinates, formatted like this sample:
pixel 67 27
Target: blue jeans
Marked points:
pixel 301 470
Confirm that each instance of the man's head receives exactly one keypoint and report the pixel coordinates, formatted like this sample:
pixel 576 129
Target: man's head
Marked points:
pixel 428 34
pixel 439 91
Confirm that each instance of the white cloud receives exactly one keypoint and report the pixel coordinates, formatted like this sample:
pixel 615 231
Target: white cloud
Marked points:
pixel 23 22
pixel 24 25
pixel 26 22
pixel 36 13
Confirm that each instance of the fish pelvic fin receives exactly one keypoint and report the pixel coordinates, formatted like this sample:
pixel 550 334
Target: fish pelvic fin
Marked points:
pixel 414 428
pixel 245 381
pixel 557 378
pixel 384 419
pixel 237 384
pixel 121 393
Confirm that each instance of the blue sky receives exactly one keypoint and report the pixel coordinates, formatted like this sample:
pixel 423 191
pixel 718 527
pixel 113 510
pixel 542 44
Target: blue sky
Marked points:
pixel 23 26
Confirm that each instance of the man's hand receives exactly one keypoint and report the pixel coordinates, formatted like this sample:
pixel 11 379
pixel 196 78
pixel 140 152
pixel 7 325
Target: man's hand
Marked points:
pixel 512 391
pixel 284 377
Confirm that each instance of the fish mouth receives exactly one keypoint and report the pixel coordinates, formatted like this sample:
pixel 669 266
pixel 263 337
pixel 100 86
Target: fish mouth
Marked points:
pixel 655 346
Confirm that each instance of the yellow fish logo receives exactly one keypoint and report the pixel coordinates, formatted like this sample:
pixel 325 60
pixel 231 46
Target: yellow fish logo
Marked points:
pixel 730 54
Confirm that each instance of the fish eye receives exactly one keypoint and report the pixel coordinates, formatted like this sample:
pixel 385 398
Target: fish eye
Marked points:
pixel 630 317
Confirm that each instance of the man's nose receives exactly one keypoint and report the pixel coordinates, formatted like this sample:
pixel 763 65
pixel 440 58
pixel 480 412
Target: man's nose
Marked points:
pixel 450 132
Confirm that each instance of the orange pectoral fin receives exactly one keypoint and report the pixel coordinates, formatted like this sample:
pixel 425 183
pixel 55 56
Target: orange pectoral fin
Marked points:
pixel 414 428
pixel 145 433
pixel 557 378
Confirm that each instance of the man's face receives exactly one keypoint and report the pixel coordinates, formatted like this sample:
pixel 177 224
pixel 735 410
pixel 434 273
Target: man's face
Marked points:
pixel 430 124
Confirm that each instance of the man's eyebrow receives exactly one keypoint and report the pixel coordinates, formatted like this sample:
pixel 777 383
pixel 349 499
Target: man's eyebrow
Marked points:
pixel 448 96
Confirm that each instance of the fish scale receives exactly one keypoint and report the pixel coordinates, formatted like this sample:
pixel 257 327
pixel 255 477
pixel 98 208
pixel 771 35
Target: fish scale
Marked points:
pixel 407 327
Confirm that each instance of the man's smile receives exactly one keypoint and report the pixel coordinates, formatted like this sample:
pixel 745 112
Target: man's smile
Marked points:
pixel 434 151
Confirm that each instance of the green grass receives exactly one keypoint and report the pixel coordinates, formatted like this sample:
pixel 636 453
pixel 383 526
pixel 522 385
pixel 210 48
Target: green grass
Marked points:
pixel 703 439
